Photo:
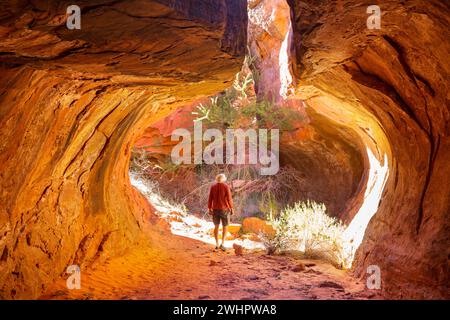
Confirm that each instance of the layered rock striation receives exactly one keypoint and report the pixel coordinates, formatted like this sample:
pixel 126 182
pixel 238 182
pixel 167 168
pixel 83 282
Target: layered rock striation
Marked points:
pixel 72 104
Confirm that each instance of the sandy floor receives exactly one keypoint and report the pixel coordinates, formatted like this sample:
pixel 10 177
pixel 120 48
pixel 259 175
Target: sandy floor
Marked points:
pixel 186 266
pixel 191 269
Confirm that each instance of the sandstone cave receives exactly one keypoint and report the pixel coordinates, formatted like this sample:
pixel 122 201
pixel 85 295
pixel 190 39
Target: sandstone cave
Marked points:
pixel 85 111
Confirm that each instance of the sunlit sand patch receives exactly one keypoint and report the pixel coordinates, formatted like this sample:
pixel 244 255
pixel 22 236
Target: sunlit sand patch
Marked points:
pixel 185 224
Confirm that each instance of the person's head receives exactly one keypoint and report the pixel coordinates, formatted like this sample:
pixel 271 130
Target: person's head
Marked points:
pixel 221 178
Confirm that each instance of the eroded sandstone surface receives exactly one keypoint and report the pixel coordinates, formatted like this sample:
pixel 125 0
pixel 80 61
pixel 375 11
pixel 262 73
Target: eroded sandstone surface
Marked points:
pixel 391 87
pixel 74 102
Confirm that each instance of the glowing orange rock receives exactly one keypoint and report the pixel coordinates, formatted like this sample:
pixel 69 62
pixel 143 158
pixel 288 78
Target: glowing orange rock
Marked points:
pixel 251 237
pixel 257 225
pixel 238 250
pixel 234 228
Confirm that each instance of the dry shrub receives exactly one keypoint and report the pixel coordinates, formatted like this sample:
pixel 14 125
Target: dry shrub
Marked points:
pixel 306 227
pixel 253 194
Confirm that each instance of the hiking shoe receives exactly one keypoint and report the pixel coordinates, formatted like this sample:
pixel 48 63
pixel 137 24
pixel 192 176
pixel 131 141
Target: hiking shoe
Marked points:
pixel 216 248
pixel 223 248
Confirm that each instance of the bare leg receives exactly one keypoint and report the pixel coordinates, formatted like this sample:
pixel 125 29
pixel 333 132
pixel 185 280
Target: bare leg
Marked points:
pixel 216 234
pixel 224 234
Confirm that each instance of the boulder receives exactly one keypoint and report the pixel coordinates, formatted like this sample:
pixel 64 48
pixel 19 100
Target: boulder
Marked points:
pixel 256 225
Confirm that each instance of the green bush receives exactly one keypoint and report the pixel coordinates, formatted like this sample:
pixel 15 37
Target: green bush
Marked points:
pixel 238 106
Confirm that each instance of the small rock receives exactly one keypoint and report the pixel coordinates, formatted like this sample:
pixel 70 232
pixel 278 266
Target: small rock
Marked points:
pixel 257 291
pixel 298 268
pixel 331 284
pixel 238 250
pixel 204 297
pixel 213 263
pixel 175 219
pixel 313 271
pixel 88 296
pixel 60 293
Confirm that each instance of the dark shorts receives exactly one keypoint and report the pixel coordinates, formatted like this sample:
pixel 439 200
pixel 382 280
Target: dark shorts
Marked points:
pixel 221 215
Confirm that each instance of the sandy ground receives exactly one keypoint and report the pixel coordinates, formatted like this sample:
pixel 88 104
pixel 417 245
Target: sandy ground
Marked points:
pixel 190 269
pixel 186 266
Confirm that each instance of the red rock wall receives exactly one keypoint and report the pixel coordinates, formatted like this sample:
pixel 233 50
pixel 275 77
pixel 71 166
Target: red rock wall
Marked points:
pixel 398 76
pixel 72 103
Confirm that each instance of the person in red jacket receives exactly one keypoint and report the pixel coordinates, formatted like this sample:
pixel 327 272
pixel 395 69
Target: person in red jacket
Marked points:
pixel 220 206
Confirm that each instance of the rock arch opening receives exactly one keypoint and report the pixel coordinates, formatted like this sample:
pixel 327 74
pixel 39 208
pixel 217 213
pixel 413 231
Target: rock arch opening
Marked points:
pixel 73 104
pixel 328 149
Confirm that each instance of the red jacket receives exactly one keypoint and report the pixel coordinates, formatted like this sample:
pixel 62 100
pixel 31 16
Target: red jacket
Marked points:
pixel 220 197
